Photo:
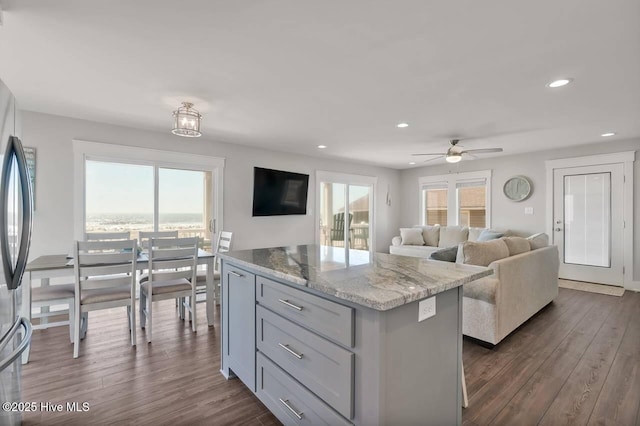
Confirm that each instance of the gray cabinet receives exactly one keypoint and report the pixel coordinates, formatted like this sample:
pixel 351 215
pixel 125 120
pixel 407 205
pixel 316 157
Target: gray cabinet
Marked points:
pixel 239 324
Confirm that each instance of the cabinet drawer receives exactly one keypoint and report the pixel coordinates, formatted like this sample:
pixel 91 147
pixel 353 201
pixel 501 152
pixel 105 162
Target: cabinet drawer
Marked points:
pixel 328 318
pixel 320 365
pixel 284 396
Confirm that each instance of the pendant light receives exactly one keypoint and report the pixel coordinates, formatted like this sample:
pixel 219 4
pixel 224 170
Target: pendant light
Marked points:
pixel 186 121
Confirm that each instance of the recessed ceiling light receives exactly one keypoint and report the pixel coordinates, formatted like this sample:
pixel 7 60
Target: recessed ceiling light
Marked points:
pixel 412 163
pixel 606 135
pixel 402 125
pixel 559 83
pixel 322 146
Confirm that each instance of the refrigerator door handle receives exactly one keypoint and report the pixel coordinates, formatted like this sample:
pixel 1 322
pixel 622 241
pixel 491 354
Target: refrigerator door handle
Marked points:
pixel 24 343
pixel 13 275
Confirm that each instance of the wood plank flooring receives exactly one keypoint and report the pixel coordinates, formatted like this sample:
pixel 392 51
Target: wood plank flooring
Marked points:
pixel 576 362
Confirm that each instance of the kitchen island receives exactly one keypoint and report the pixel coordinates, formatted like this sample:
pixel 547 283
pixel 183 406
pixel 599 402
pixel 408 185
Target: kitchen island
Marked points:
pixel 324 335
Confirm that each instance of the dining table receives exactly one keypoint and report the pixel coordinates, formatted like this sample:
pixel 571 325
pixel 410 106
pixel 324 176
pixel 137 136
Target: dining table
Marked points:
pixel 47 267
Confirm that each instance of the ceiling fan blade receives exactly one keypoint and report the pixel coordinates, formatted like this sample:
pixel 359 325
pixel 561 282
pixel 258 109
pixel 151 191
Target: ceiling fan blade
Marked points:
pixel 482 151
pixel 435 158
pixel 440 153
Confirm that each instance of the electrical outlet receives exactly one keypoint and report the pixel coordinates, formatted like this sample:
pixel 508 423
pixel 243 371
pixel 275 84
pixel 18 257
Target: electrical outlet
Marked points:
pixel 426 308
pixel 528 210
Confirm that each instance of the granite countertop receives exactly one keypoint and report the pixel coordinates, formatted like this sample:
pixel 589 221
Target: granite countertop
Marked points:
pixel 379 281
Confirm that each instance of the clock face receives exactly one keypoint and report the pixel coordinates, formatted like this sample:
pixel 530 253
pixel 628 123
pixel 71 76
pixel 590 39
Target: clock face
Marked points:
pixel 517 188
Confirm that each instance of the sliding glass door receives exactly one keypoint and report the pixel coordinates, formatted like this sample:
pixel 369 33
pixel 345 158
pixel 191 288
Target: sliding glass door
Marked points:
pixel 146 197
pixel 345 211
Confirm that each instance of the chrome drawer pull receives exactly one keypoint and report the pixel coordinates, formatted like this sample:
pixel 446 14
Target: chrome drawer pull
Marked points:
pixel 236 274
pixel 286 348
pixel 291 305
pixel 285 402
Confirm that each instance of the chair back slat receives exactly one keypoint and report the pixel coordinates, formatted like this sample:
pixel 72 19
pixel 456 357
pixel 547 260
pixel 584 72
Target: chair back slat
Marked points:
pixel 104 258
pixel 173 263
pixel 104 270
pixel 171 253
pixel 104 236
pixel 101 245
pixel 146 236
pixel 98 283
pixel 172 275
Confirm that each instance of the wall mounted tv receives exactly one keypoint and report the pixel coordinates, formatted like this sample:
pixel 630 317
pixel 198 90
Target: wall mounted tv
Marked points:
pixel 277 193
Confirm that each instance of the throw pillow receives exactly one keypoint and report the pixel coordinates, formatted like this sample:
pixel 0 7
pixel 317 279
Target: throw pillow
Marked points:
pixel 446 254
pixel 411 237
pixel 517 245
pixel 482 253
pixel 452 235
pixel 430 234
pixel 488 235
pixel 474 233
pixel 538 240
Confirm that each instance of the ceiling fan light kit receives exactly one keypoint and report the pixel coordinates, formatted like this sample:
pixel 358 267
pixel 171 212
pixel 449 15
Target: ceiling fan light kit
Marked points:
pixel 455 151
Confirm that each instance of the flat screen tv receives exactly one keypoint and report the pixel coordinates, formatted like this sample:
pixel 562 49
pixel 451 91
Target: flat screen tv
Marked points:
pixel 277 193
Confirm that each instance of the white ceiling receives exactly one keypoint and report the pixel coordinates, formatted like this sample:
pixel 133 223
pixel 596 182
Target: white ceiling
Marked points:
pixel 290 74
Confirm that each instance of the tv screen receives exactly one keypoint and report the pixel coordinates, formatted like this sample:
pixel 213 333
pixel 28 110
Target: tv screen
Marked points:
pixel 278 193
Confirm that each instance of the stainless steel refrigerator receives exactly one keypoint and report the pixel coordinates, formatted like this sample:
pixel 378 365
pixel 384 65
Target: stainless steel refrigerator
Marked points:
pixel 15 237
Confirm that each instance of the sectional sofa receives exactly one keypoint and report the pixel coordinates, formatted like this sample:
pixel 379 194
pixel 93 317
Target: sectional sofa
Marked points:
pixel 524 280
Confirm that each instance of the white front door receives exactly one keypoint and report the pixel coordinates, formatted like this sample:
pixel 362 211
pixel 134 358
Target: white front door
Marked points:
pixel 588 223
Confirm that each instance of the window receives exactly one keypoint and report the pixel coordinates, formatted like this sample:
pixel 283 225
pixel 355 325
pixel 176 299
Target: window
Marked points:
pixel 435 198
pixel 457 199
pixel 133 189
pixel 472 203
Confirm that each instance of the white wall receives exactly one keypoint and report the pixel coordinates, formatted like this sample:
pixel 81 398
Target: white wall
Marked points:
pixel 53 219
pixel 508 214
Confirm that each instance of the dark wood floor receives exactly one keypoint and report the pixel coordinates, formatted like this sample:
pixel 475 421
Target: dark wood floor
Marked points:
pixel 576 362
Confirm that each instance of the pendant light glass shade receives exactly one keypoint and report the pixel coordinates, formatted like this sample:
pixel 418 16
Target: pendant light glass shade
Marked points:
pixel 186 121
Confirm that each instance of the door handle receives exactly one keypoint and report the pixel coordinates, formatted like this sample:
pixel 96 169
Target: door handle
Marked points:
pixel 13 274
pixel 234 273
pixel 558 229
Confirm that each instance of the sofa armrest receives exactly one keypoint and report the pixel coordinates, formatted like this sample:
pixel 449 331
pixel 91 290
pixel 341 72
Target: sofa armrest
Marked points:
pixel 396 241
pixel 527 282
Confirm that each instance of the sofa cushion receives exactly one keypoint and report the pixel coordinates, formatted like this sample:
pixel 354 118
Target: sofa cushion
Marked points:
pixel 430 234
pixel 517 245
pixel 452 235
pixel 445 254
pixel 488 235
pixel 474 233
pixel 482 253
pixel 411 237
pixel 483 289
pixel 538 240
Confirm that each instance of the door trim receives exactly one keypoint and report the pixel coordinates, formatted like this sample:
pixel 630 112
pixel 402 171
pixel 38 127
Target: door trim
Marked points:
pixel 626 158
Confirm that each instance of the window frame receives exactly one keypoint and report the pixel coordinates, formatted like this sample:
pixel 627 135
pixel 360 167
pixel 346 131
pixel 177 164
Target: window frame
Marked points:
pixel 453 202
pixel 94 151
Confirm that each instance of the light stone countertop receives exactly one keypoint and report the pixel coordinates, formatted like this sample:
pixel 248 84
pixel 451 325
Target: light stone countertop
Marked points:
pixel 379 281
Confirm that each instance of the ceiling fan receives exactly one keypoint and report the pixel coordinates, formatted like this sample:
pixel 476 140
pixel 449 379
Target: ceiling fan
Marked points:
pixel 455 151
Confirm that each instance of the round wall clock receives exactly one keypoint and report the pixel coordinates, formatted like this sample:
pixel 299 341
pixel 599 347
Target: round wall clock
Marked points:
pixel 517 188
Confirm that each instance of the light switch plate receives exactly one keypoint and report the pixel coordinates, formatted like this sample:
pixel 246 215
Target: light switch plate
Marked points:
pixel 528 210
pixel 426 308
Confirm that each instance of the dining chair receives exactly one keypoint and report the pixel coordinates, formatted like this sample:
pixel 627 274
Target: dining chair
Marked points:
pixel 106 236
pixel 172 274
pixel 145 236
pixel 224 245
pixel 105 274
